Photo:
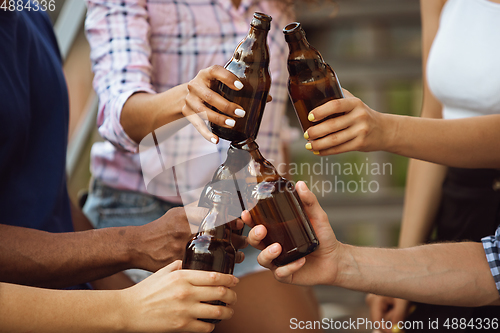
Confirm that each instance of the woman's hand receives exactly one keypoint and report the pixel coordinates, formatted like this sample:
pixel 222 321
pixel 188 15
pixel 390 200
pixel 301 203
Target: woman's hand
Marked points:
pixel 200 95
pixel 172 300
pixel 319 267
pixel 359 129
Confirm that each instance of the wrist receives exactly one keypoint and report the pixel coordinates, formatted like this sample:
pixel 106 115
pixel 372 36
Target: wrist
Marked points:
pixel 123 310
pixel 390 131
pixel 132 246
pixel 342 257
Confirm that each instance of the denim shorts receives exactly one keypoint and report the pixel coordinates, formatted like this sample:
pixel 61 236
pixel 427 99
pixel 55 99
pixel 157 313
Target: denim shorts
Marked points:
pixel 108 207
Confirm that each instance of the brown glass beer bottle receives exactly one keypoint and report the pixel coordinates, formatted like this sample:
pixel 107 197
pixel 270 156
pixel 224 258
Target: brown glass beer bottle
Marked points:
pixel 250 63
pixel 270 199
pixel 312 82
pixel 211 248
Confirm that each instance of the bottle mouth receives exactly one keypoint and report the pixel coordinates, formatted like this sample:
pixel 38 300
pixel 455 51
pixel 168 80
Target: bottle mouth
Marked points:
pixel 261 21
pixel 248 144
pixel 291 28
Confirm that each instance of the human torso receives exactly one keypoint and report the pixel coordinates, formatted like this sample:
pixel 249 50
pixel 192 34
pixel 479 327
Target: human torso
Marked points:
pixel 464 62
pixel 34 113
pixel 187 36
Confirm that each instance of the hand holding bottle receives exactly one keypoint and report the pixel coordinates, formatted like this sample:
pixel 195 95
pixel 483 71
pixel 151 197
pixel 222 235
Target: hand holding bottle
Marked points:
pixel 173 299
pixel 318 267
pixel 200 95
pixel 360 129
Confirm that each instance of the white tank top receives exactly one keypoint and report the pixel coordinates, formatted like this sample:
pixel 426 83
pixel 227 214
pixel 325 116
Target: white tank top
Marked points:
pixel 463 68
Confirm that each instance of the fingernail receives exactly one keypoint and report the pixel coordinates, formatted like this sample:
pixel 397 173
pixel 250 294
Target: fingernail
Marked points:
pixel 306 136
pixel 316 152
pixel 309 146
pixel 238 85
pixel 412 309
pixel 214 140
pixel 310 117
pixel 274 248
pixel 395 329
pixel 258 232
pixel 239 112
pixel 236 280
pixel 230 122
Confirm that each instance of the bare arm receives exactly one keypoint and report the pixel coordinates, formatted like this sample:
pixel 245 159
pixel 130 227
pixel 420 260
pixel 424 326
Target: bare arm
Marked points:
pixel 467 143
pixel 446 273
pixel 168 301
pixel 39 258
pixel 143 112
pixel 449 274
pixel 116 281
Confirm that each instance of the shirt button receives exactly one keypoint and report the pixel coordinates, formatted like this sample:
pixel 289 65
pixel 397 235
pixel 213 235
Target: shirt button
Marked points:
pixel 496 184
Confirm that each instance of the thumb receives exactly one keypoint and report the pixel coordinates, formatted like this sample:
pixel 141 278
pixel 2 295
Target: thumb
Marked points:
pixel 176 265
pixel 311 204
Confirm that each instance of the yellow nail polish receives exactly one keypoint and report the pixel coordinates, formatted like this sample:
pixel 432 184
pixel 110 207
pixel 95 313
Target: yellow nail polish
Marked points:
pixel 412 309
pixel 309 146
pixel 310 117
pixel 316 152
pixel 306 136
pixel 395 329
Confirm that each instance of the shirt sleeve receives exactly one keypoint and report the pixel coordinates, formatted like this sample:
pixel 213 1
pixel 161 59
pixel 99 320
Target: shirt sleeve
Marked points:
pixel 118 34
pixel 491 245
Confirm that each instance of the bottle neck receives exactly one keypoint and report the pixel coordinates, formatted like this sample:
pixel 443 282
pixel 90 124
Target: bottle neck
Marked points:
pixel 215 223
pixel 297 42
pixel 253 49
pixel 246 155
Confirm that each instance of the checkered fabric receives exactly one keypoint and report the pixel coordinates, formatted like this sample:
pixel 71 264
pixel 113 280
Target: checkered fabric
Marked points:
pixel 151 46
pixel 491 246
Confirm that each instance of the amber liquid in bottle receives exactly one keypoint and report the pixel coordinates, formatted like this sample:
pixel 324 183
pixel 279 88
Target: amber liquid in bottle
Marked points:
pixel 280 210
pixel 211 248
pixel 312 82
pixel 271 201
pixel 250 63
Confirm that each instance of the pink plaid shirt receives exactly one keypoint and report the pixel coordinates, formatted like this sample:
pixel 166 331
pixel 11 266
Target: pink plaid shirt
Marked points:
pixel 152 46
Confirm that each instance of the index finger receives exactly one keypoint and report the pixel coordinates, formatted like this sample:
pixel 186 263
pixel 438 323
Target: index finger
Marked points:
pixel 335 106
pixel 221 74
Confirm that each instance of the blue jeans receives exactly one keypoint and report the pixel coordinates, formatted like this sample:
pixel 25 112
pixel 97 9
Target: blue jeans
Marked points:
pixel 108 207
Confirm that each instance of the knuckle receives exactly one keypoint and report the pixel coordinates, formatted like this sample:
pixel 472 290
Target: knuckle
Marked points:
pixel 336 103
pixel 364 129
pixel 213 277
pixel 209 328
pixel 209 95
pixel 217 312
pixel 181 323
pixel 334 137
pixel 226 108
pixel 182 293
pixel 191 85
pixel 222 291
pixel 212 70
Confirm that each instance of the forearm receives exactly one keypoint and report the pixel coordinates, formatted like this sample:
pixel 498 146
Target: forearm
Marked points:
pixel 38 258
pixel 422 200
pixel 142 113
pixel 466 143
pixel 26 309
pixel 447 274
